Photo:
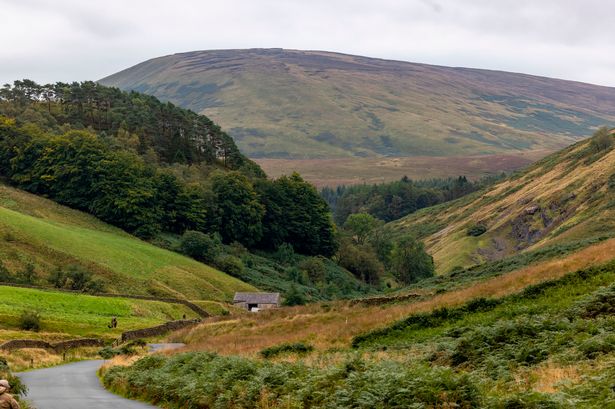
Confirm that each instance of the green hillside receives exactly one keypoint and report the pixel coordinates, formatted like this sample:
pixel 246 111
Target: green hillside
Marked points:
pixel 67 316
pixel 280 103
pixel 38 231
pixel 566 197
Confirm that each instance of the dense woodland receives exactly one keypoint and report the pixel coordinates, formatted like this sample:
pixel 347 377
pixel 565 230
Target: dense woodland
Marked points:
pixel 139 122
pixel 113 153
pixel 394 200
pixel 154 169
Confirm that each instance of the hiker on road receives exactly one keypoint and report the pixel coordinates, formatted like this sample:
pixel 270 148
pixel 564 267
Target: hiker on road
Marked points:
pixel 6 400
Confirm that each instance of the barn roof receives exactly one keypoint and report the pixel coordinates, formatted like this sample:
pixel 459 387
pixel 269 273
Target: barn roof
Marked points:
pixel 257 298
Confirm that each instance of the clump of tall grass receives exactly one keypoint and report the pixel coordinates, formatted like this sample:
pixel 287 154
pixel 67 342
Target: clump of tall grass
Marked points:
pixel 299 348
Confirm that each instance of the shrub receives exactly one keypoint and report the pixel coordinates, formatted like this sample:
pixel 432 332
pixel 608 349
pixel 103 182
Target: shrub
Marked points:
pixel 197 380
pixel 602 302
pixel 598 345
pixel 5 274
pixel 27 275
pixel 314 267
pixel 201 246
pixel 297 348
pixel 476 230
pixel 109 352
pixel 77 278
pixel 411 262
pixel 294 297
pixel 361 261
pixel 30 321
pixel 601 140
pixel 285 254
pixel 58 278
pixel 230 265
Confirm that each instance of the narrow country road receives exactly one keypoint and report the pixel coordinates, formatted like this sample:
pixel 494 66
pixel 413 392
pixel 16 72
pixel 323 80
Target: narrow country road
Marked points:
pixel 76 386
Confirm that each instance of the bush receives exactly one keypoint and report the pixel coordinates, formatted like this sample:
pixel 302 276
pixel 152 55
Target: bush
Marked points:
pixel 5 274
pixel 598 345
pixel 314 267
pixel 297 348
pixel 285 254
pixel 411 262
pixel 294 297
pixel 230 265
pixel 77 278
pixel 600 303
pixel 201 246
pixel 109 352
pixel 197 380
pixel 58 278
pixel 361 261
pixel 477 230
pixel 601 140
pixel 30 321
pixel 27 275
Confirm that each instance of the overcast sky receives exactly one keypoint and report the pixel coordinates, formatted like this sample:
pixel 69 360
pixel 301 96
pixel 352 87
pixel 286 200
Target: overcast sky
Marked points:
pixel 66 40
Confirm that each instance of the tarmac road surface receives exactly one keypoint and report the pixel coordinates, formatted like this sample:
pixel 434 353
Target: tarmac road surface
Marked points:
pixel 76 386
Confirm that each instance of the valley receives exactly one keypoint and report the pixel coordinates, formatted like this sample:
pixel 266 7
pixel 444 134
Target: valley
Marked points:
pixel 307 205
pixel 457 298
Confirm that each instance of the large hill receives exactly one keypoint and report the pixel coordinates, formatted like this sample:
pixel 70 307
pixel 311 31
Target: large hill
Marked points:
pixel 565 198
pixel 280 103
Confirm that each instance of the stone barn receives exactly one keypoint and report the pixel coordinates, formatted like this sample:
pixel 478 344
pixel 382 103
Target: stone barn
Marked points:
pixel 257 301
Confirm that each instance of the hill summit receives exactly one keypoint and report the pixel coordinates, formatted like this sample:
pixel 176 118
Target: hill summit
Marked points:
pixel 279 103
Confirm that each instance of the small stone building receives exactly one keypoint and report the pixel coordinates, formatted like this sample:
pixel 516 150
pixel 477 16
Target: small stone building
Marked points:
pixel 257 301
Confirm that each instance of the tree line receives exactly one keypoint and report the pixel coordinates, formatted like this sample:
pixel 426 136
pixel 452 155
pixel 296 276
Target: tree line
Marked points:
pixel 394 200
pixel 85 171
pixel 141 122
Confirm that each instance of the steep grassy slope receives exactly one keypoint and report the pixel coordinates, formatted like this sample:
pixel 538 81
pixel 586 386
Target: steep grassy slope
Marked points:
pixel 563 198
pixel 38 231
pixel 311 104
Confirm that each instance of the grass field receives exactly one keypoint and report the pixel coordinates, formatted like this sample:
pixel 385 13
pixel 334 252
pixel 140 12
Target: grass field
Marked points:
pixel 38 231
pixel 66 315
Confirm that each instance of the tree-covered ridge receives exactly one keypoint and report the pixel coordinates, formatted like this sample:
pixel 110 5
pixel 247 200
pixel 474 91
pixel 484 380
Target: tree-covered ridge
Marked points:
pixel 139 121
pixel 394 200
pixel 82 170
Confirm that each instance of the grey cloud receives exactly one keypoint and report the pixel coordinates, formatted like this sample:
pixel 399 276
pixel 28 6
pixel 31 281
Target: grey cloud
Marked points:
pixel 76 40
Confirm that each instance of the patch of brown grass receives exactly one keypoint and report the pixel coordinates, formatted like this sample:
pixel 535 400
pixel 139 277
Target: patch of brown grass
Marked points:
pixel 335 328
pixel 24 359
pixel 352 171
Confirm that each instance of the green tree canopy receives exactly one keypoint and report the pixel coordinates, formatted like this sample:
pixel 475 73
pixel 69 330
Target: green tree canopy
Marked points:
pixel 410 261
pixel 297 215
pixel 360 225
pixel 238 212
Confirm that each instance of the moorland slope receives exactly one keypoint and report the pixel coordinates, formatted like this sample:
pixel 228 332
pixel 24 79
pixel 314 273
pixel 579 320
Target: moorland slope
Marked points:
pixel 565 197
pixel 279 103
